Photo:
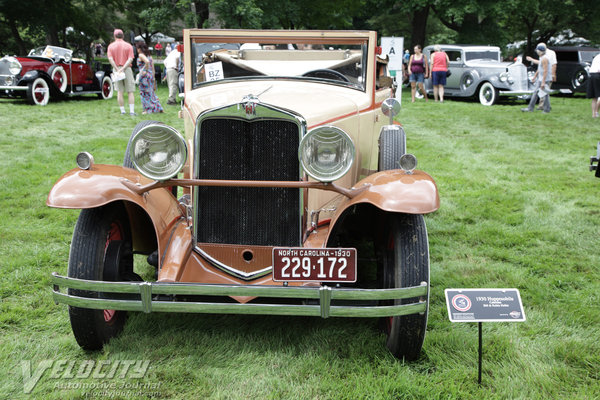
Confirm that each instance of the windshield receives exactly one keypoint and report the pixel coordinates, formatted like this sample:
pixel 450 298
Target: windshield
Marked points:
pixel 51 52
pixel 492 55
pixel 338 63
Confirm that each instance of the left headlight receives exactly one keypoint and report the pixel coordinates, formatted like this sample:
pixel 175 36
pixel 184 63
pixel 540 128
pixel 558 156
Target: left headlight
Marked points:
pixel 326 153
pixel 158 151
pixel 506 77
pixel 14 66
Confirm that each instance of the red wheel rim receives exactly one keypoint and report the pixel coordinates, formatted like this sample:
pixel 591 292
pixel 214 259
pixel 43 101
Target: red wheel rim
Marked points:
pixel 39 92
pixel 58 80
pixel 106 88
pixel 114 233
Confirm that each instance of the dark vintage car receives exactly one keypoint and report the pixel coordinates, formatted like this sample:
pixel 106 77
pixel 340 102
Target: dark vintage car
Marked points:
pixel 51 72
pixel 297 195
pixel 572 68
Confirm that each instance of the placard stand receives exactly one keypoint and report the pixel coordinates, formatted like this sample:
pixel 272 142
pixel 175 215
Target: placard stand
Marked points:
pixel 480 352
pixel 484 305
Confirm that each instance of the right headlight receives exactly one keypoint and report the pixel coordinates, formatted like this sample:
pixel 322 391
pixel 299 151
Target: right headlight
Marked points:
pixel 158 151
pixel 326 153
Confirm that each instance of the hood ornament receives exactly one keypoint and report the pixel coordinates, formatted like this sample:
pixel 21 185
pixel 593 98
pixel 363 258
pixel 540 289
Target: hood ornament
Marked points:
pixel 250 101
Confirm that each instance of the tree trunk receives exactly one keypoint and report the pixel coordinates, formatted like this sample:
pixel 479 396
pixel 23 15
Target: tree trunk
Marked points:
pixel 17 37
pixel 419 27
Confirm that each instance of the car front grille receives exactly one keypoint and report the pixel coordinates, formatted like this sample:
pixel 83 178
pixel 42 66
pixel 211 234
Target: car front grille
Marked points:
pixel 261 150
pixel 519 74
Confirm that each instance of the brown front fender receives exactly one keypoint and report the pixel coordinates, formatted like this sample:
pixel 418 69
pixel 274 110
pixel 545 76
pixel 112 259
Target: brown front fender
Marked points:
pixel 395 191
pixel 103 184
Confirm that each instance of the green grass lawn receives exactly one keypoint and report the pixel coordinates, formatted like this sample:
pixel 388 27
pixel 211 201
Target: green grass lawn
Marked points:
pixel 518 209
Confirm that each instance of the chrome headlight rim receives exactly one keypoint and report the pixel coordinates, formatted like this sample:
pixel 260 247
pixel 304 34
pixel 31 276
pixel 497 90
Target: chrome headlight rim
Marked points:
pixel 329 133
pixel 153 135
pixel 14 66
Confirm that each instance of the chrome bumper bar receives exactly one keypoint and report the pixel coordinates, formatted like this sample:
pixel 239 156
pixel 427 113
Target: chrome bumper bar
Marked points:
pixel 13 87
pixel 147 302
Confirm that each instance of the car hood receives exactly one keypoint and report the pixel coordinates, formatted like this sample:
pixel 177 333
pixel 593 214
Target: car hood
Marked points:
pixel 490 64
pixel 318 103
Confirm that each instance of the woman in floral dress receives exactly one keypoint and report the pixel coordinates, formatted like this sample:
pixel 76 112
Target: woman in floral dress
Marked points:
pixel 150 102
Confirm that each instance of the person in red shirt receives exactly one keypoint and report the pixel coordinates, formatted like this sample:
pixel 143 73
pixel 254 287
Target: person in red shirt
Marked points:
pixel 120 56
pixel 158 49
pixel 439 68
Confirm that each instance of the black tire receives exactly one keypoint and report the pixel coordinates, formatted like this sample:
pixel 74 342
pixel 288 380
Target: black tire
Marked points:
pixel 488 94
pixel 38 92
pixel 127 158
pixel 578 80
pixel 405 262
pixel 100 250
pixel 392 146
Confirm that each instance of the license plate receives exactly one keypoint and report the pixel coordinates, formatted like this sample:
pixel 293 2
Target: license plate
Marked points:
pixel 314 265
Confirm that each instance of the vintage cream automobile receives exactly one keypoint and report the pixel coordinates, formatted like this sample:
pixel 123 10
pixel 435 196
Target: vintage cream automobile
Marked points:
pixel 290 193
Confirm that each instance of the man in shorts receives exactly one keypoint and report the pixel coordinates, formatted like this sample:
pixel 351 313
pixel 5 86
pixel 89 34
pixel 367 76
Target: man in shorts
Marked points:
pixel 120 56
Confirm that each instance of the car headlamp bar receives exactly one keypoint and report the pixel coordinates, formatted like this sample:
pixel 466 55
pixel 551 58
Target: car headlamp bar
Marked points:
pixel 350 193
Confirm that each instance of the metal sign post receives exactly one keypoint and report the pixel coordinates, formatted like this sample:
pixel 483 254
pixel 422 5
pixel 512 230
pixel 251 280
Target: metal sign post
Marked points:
pixel 484 305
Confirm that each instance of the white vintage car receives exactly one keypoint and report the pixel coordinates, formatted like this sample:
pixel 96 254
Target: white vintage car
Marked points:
pixel 297 196
pixel 478 71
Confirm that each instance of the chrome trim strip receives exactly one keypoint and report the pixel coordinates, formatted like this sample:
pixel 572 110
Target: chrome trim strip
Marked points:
pixel 232 271
pixel 13 87
pixel 147 304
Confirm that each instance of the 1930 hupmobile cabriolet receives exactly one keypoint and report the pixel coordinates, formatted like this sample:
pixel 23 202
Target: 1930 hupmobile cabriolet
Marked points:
pixel 51 71
pixel 297 195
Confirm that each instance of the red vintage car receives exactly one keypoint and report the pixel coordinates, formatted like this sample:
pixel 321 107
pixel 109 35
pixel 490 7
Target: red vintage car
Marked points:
pixel 51 72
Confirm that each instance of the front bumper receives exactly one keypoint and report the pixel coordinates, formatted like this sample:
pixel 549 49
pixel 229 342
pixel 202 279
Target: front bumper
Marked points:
pixel 518 93
pixel 146 298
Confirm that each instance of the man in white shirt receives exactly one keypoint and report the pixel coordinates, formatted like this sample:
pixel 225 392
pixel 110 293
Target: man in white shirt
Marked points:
pixel 551 55
pixel 172 68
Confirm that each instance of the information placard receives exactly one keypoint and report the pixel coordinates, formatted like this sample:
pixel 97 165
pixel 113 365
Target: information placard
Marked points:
pixel 484 305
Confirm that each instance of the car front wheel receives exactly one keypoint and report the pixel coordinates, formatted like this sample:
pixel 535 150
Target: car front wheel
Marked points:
pixel 38 92
pixel 488 94
pixel 404 262
pixel 578 80
pixel 100 251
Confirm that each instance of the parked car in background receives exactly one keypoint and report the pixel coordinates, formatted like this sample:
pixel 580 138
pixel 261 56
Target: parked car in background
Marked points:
pixel 49 72
pixel 479 72
pixel 297 197
pixel 572 68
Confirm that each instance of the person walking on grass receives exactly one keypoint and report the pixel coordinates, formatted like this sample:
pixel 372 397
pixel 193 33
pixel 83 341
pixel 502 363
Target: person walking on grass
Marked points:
pixel 150 101
pixel 120 57
pixel 418 69
pixel 593 88
pixel 543 76
pixel 439 62
pixel 551 55
pixel 172 75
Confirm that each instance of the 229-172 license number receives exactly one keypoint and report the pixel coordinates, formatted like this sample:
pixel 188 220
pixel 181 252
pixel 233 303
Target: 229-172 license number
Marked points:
pixel 314 265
